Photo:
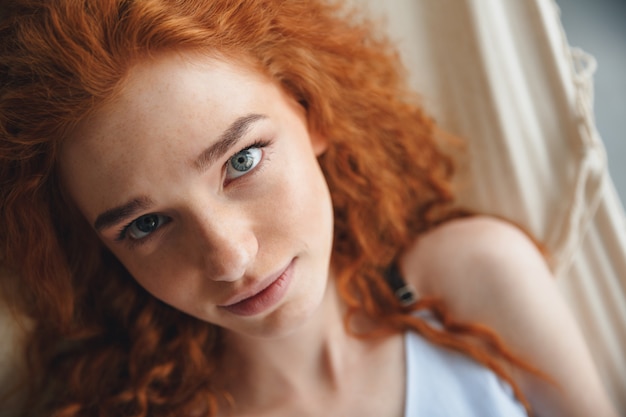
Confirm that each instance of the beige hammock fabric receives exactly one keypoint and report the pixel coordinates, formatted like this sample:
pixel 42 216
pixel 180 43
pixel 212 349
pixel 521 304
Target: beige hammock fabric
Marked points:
pixel 500 74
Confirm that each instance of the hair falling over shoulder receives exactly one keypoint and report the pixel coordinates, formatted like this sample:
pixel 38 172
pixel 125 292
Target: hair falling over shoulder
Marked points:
pixel 100 344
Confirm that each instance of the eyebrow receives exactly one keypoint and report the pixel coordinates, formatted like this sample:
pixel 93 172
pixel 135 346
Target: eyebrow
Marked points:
pixel 115 215
pixel 226 140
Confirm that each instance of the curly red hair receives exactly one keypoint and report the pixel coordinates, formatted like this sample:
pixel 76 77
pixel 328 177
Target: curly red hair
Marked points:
pixel 118 350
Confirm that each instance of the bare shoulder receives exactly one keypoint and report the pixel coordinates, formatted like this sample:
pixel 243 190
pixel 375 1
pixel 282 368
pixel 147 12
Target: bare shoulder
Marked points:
pixel 489 271
pixel 476 254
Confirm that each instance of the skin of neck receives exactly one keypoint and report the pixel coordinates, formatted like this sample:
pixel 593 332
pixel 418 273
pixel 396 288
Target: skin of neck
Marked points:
pixel 314 357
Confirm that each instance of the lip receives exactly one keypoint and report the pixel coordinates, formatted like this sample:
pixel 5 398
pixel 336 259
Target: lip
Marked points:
pixel 262 296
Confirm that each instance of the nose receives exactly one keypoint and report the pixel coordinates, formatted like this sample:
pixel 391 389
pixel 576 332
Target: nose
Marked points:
pixel 225 243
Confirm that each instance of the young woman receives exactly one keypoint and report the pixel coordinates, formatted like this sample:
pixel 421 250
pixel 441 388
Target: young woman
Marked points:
pixel 225 207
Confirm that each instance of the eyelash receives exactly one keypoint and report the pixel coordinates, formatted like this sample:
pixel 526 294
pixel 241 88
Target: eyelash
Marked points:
pixel 122 233
pixel 259 144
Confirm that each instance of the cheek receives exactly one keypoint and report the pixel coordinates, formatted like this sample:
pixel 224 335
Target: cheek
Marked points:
pixel 152 275
pixel 163 275
pixel 308 205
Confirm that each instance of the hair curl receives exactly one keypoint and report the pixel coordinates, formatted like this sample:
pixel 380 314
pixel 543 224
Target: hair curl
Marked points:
pixel 119 350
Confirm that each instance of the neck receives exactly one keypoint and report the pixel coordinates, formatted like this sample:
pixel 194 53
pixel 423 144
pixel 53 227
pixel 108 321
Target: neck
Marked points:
pixel 312 359
pixel 318 369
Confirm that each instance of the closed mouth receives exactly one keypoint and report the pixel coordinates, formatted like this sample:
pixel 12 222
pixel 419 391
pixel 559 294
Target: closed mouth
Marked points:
pixel 262 296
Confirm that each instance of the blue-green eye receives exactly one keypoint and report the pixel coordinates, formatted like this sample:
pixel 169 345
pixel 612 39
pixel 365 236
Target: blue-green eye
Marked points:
pixel 243 162
pixel 145 225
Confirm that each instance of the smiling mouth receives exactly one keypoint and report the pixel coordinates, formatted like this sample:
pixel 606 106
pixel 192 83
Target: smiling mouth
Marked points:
pixel 266 298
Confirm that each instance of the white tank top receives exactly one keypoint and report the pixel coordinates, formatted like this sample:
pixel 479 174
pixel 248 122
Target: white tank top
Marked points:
pixel 444 383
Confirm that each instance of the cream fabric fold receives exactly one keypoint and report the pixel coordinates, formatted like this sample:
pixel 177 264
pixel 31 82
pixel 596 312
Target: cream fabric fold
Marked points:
pixel 501 75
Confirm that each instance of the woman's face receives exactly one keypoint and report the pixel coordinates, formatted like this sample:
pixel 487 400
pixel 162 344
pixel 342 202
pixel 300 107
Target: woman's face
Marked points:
pixel 202 178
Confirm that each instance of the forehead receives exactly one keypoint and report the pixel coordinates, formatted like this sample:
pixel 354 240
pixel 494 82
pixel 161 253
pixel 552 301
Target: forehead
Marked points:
pixel 167 110
pixel 189 81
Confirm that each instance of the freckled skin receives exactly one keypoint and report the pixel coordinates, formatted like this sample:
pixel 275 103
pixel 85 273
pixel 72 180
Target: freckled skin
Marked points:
pixel 221 235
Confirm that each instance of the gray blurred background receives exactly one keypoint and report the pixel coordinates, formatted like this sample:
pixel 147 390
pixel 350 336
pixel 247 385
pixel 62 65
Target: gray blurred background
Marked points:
pixel 599 28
